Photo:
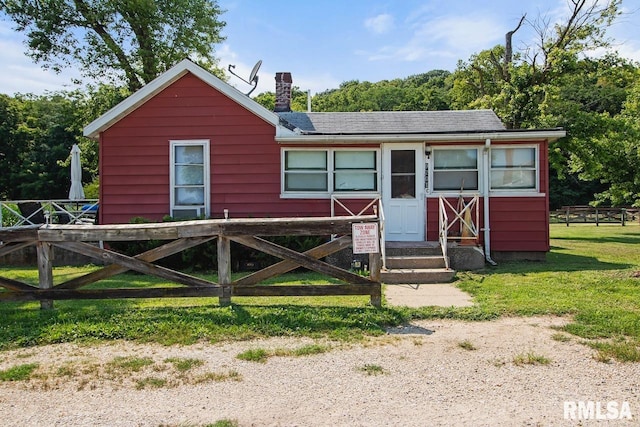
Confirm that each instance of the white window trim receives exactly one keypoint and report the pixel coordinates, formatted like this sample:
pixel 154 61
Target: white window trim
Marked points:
pixel 519 191
pixel 432 170
pixel 205 143
pixel 330 175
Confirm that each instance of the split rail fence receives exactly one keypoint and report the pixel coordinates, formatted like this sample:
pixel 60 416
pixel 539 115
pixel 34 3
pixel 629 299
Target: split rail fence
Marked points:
pixel 180 236
pixel 591 215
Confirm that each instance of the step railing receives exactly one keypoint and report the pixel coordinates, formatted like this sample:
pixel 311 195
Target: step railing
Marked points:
pixel 443 230
pixel 465 216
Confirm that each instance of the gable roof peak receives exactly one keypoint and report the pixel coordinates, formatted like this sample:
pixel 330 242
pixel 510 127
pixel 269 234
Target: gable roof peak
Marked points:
pixel 148 91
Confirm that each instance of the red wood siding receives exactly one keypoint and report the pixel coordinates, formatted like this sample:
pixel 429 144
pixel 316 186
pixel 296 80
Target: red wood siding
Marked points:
pixel 519 224
pixel 245 159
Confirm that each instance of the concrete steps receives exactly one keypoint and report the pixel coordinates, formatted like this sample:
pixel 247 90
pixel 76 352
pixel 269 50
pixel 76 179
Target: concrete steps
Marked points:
pixel 416 269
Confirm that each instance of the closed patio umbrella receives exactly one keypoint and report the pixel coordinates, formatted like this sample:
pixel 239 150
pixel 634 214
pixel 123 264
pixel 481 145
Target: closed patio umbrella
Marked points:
pixel 76 192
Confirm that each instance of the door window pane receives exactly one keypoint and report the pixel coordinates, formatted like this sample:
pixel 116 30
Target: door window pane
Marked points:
pixel 403 174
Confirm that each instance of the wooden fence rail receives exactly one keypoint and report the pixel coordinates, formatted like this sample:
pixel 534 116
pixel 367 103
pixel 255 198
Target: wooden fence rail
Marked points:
pixel 590 215
pixel 181 236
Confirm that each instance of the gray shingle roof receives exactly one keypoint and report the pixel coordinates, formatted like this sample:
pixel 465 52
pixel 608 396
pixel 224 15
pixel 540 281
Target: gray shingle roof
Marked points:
pixel 394 122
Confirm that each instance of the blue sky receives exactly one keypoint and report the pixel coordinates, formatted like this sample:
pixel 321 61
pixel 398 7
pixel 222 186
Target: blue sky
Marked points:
pixel 326 42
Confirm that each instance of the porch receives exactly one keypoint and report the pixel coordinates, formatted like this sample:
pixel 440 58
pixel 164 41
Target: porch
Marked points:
pixel 424 262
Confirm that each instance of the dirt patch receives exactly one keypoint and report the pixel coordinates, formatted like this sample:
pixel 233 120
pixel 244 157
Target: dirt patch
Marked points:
pixel 509 372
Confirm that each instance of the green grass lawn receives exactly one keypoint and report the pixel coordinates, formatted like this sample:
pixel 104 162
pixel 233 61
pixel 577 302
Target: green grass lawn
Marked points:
pixel 589 275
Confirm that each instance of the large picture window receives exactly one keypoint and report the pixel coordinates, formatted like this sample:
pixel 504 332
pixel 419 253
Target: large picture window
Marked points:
pixel 455 169
pixel 513 168
pixel 189 176
pixel 312 172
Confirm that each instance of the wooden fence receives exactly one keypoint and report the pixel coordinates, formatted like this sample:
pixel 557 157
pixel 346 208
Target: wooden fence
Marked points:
pixel 181 236
pixel 591 215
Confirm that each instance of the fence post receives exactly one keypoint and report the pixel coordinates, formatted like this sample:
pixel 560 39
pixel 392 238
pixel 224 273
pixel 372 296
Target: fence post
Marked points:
pixel 45 271
pixel 375 264
pixel 224 269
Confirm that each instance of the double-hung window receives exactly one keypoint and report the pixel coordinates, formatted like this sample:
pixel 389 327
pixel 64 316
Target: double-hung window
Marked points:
pixel 315 172
pixel 306 171
pixel 355 171
pixel 189 178
pixel 513 168
pixel 455 169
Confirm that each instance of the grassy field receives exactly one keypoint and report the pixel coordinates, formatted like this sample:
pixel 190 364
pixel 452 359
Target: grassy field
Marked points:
pixel 590 275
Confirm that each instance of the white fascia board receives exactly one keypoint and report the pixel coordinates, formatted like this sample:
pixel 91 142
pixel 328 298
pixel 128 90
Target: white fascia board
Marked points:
pixel 532 135
pixel 93 129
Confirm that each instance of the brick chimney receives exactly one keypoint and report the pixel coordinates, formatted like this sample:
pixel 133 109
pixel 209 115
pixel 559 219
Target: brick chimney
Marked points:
pixel 283 92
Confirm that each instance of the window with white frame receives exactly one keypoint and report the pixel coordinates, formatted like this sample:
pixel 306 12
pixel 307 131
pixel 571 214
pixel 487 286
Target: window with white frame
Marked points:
pixel 305 170
pixel 333 170
pixel 355 171
pixel 455 169
pixel 189 178
pixel 513 168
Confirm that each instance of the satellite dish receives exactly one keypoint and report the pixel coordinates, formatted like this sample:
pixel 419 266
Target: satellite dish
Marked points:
pixel 254 72
pixel 253 76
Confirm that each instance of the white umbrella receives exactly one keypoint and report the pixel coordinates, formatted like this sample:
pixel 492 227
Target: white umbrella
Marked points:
pixel 76 192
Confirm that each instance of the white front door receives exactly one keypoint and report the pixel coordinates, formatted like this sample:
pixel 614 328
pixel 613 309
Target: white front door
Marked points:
pixel 403 192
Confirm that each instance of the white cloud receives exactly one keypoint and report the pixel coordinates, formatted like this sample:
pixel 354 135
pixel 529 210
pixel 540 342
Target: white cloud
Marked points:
pixel 20 75
pixel 380 24
pixel 450 38
pixel 460 33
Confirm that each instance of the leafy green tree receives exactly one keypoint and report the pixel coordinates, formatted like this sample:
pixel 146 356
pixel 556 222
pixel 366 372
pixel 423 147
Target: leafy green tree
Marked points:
pixel 48 131
pixel 298 99
pixel 10 144
pixel 515 84
pixel 554 83
pixel 421 92
pixel 36 137
pixel 610 153
pixel 127 40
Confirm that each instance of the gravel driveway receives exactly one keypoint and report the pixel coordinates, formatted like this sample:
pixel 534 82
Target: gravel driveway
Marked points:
pixel 509 372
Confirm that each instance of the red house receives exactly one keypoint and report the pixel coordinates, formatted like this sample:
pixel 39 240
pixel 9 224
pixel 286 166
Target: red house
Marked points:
pixel 188 144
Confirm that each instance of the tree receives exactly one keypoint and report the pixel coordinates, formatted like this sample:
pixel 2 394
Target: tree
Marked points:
pixel 298 99
pixel 515 84
pixel 36 135
pixel 610 153
pixel 420 92
pixel 126 40
pixel 10 118
pixel 554 82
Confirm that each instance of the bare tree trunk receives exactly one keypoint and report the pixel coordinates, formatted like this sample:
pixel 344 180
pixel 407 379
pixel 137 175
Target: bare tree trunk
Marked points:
pixel 508 46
